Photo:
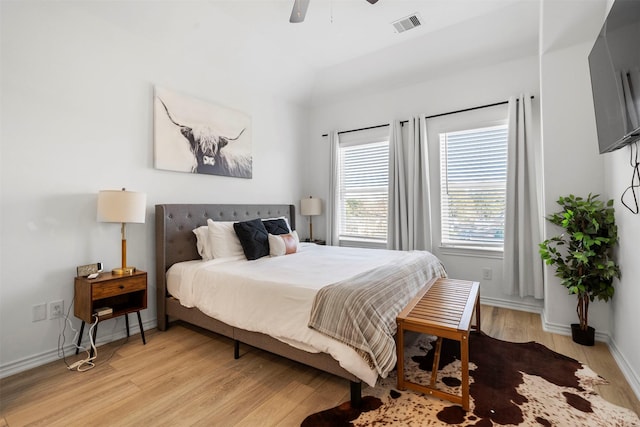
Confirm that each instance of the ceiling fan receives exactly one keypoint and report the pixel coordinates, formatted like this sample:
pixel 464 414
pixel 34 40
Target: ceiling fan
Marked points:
pixel 300 10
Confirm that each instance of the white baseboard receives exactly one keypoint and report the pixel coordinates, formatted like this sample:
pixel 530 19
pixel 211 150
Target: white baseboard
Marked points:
pixel 630 375
pixel 627 370
pixel 37 360
pixel 563 329
pixel 49 356
pixel 556 328
pixel 513 305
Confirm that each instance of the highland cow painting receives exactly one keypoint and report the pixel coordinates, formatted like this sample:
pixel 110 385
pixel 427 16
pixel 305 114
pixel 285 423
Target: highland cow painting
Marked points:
pixel 195 136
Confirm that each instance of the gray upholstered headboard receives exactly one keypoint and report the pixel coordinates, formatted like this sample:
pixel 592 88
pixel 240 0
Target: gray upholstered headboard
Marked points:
pixel 175 241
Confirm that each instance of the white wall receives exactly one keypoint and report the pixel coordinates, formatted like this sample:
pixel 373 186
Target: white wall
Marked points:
pixel 77 87
pixel 573 165
pixel 468 88
pixel 625 344
pixel 571 162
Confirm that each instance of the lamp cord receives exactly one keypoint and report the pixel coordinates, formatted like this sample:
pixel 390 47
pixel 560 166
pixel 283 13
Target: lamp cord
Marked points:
pixel 87 363
pixel 634 161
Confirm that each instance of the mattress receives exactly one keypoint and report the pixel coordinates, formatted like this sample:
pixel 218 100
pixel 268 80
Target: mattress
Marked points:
pixel 275 295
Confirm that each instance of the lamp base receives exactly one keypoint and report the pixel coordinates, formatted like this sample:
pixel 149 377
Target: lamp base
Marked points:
pixel 121 271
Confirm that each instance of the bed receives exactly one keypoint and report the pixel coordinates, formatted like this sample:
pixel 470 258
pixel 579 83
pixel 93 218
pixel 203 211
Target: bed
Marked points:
pixel 178 254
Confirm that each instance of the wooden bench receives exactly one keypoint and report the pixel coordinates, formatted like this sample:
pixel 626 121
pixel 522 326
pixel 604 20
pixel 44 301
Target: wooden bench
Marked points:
pixel 444 308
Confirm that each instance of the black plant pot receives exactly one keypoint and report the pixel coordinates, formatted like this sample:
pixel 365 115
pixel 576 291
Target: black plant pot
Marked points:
pixel 583 337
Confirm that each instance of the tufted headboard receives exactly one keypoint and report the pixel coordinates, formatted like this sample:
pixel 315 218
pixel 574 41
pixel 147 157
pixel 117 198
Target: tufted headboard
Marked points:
pixel 175 241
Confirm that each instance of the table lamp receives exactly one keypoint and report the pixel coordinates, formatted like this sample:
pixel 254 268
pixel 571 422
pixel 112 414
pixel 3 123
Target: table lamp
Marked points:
pixel 122 206
pixel 311 206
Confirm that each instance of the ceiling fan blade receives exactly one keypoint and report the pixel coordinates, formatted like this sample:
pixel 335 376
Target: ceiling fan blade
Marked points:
pixel 299 11
pixel 372 1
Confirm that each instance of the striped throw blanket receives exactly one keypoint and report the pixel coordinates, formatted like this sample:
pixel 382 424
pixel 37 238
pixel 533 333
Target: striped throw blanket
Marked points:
pixel 361 311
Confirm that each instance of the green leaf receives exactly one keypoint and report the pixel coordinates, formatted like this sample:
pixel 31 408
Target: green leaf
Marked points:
pixel 583 254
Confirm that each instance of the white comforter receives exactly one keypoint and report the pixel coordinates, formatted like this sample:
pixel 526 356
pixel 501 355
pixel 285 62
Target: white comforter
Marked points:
pixel 274 295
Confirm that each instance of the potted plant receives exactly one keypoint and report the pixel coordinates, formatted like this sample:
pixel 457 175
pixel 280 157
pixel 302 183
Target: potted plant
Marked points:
pixel 582 255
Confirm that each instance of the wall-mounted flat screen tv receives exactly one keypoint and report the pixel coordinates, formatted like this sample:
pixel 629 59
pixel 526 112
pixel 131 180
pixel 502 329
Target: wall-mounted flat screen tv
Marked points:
pixel 614 63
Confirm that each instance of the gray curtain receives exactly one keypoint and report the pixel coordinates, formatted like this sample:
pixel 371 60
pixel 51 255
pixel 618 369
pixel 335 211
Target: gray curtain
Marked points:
pixel 522 274
pixel 409 215
pixel 332 200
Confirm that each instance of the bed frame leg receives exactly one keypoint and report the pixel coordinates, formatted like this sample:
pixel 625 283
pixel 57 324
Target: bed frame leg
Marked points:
pixel 356 394
pixel 163 322
pixel 236 349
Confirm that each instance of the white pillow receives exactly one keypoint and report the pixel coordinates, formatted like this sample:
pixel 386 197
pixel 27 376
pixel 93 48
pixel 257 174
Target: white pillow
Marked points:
pixel 203 242
pixel 283 244
pixel 223 239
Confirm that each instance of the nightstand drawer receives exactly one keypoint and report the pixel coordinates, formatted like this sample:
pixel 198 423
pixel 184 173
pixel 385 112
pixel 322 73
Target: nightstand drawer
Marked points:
pixel 119 287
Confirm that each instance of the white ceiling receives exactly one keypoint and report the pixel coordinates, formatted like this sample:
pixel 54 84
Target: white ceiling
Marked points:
pixel 343 45
pixel 336 31
pixel 352 44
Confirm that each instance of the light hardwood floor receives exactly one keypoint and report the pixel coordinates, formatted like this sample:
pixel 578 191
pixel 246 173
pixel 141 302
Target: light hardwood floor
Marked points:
pixel 187 376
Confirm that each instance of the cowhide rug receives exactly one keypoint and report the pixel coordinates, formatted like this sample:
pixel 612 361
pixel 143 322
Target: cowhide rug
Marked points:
pixel 510 384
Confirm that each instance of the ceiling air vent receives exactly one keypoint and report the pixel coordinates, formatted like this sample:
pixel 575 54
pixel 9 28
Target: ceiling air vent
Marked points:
pixel 404 24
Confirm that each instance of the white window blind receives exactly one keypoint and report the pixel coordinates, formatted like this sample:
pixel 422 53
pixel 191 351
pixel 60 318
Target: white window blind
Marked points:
pixel 363 191
pixel 473 172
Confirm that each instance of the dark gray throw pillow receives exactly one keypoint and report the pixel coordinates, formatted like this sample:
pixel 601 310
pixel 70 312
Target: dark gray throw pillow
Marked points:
pixel 276 226
pixel 253 237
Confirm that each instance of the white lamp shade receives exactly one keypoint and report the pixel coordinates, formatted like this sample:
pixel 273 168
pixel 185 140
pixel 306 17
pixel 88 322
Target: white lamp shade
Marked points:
pixel 121 206
pixel 311 206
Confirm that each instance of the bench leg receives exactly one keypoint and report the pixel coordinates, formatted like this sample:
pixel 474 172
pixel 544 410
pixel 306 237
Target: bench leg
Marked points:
pixel 400 356
pixel 464 359
pixel 356 394
pixel 436 362
pixel 478 329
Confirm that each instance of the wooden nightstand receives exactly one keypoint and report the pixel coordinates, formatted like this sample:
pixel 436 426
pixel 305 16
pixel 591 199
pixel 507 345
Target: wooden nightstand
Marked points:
pixel 123 294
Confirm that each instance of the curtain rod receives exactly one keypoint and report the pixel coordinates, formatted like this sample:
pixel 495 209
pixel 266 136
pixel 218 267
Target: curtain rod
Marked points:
pixel 429 117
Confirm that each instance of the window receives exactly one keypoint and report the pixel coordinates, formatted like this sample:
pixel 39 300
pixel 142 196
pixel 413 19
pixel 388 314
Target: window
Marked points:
pixel 363 180
pixel 473 177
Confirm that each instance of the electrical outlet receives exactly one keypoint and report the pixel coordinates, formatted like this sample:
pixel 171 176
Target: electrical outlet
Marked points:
pixel 487 273
pixel 39 312
pixel 56 309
